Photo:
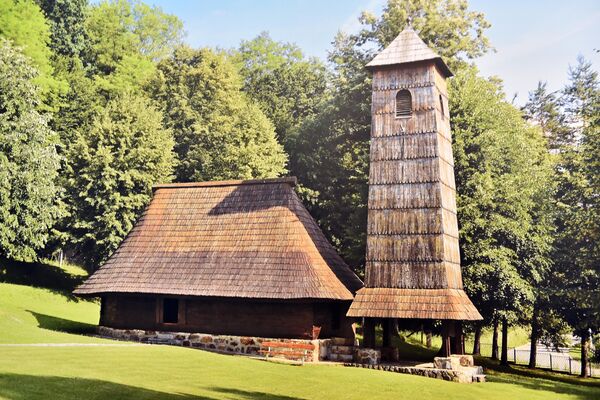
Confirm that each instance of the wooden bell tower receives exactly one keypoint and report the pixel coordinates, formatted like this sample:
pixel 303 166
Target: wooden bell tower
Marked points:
pixel 413 260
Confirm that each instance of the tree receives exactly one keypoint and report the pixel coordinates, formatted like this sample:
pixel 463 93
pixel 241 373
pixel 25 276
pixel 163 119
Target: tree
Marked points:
pixel 66 19
pixel 578 198
pixel 28 160
pixel 447 26
pixel 286 86
pixel 332 147
pixel 126 39
pixel 503 175
pixel 218 133
pixel 544 109
pixel 113 165
pixel 23 23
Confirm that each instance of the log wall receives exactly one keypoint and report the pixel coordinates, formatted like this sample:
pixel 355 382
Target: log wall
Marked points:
pixel 230 316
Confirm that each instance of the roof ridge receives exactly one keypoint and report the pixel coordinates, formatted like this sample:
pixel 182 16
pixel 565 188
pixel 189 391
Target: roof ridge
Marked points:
pixel 290 180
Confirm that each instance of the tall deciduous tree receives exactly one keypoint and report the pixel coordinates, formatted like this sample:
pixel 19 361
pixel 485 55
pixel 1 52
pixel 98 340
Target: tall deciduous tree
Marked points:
pixel 113 165
pixel 287 86
pixel 218 133
pixel 28 160
pixel 23 23
pixel 543 108
pixel 126 39
pixel 503 175
pixel 66 19
pixel 578 200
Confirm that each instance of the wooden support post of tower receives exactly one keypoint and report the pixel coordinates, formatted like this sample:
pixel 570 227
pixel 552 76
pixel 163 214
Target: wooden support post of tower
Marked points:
pixel 412 259
pixel 369 332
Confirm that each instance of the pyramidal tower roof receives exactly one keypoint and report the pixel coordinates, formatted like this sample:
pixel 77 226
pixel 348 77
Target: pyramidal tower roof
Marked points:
pixel 408 47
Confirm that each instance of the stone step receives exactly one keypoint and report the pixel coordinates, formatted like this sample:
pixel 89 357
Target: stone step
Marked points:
pixel 478 378
pixel 341 349
pixel 340 357
pixel 337 341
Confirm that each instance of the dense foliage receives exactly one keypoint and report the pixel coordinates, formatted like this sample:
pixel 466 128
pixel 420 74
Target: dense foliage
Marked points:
pixel 113 166
pixel 219 134
pixel 286 86
pixel 28 160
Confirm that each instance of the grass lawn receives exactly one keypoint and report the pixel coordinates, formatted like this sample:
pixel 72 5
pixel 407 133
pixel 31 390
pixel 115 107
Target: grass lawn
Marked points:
pixel 44 315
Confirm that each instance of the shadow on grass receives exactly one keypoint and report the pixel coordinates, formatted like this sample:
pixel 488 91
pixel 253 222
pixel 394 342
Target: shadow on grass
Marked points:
pixel 62 325
pixel 39 275
pixel 414 352
pixel 535 379
pixel 523 371
pixel 22 387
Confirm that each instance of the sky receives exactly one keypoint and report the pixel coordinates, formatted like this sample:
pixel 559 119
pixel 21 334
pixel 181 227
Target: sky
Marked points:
pixel 534 40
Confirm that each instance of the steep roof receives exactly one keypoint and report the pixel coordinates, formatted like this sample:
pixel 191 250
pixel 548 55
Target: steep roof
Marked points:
pixel 407 48
pixel 251 239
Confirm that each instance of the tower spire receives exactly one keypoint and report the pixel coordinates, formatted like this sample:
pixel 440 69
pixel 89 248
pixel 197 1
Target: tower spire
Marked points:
pixel 408 47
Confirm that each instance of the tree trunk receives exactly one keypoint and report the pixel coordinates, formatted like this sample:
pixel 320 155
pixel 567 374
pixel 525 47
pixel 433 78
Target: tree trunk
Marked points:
pixel 534 336
pixel 504 355
pixel 477 340
pixel 428 339
pixel 585 339
pixel 495 341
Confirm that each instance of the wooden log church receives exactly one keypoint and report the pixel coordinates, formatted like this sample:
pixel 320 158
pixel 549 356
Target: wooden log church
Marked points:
pixel 246 258
pixel 232 258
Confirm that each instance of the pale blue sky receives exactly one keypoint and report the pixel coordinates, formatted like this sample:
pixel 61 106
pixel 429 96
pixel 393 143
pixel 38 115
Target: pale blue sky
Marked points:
pixel 534 40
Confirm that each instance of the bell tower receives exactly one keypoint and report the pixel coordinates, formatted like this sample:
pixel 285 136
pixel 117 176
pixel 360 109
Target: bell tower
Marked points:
pixel 413 260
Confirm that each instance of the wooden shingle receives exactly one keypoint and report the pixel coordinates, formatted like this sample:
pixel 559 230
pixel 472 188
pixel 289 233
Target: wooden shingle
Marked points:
pixel 250 239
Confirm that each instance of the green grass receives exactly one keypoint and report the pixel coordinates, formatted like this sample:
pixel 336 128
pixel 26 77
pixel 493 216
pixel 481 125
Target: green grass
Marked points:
pixel 37 315
pixel 72 269
pixel 411 348
pixel 160 372
pixel 32 315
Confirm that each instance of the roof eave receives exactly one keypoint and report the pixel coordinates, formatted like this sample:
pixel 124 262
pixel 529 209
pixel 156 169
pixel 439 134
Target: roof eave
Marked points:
pixel 438 62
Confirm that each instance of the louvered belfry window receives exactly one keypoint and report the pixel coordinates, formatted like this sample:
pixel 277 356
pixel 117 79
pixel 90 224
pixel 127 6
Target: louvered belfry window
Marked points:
pixel 403 104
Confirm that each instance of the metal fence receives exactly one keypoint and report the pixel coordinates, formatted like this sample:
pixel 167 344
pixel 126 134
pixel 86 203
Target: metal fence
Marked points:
pixel 546 359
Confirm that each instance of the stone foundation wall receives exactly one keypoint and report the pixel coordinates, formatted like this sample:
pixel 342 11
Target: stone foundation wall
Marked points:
pixel 444 374
pixel 221 343
pixel 363 355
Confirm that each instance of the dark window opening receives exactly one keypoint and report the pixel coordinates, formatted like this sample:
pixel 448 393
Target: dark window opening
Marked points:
pixel 170 311
pixel 442 107
pixel 336 317
pixel 102 309
pixel 403 104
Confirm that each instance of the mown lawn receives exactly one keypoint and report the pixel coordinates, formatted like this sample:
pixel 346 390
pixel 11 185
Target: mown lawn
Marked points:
pixel 41 315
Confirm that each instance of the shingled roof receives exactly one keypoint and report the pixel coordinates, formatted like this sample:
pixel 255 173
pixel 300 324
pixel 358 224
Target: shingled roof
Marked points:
pixel 408 47
pixel 251 239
